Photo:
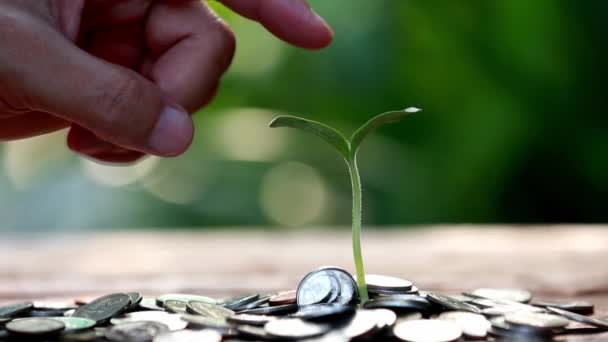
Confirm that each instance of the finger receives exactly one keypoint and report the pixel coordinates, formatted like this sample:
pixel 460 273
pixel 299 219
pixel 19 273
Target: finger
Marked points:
pixel 117 104
pixel 29 125
pixel 190 50
pixel 291 20
pixel 88 145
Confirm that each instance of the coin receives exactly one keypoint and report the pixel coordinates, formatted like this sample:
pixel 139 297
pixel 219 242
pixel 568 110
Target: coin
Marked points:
pixel 256 304
pixel 320 312
pixel 327 285
pixel 208 310
pixel 75 323
pixel 451 303
pixel 34 326
pixel 149 303
pixel 272 310
pixel 160 300
pixel 427 330
pixel 282 298
pixel 136 298
pixel 583 308
pixel 135 331
pixel 104 308
pixel 401 303
pixel 56 305
pixel 364 324
pixel 206 322
pixel 4 320
pixel 472 325
pixel 257 320
pixel 15 309
pixel 175 306
pixel 376 281
pixel 172 321
pixel 378 291
pixel 580 318
pixel 516 295
pixel 255 333
pixel 536 320
pixel 238 301
pixel 294 328
pixel 386 318
pixel 189 336
pixel 83 336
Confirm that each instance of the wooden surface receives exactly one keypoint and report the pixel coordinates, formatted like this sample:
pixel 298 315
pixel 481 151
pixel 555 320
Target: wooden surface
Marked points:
pixel 564 262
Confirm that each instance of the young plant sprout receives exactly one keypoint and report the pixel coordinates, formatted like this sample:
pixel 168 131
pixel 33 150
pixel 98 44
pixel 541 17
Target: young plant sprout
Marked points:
pixel 348 149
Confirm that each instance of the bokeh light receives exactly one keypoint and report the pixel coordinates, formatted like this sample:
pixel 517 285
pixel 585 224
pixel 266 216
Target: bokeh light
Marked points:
pixel 293 194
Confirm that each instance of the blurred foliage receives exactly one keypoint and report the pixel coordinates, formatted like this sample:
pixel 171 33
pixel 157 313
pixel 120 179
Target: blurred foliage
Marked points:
pixel 512 130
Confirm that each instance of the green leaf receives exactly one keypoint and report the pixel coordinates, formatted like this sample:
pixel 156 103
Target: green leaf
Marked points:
pixel 371 125
pixel 326 133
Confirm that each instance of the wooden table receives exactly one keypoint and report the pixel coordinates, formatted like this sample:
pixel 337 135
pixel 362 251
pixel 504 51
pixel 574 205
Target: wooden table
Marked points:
pixel 565 262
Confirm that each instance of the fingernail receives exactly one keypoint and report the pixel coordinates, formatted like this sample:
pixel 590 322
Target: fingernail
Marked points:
pixel 172 134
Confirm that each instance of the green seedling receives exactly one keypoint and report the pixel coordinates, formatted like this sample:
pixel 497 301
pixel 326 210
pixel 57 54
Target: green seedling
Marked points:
pixel 348 149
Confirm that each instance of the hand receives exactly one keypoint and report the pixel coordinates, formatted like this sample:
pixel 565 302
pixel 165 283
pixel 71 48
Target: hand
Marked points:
pixel 124 74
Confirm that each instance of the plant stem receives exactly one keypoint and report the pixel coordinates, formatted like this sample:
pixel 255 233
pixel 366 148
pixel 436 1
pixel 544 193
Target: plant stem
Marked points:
pixel 356 183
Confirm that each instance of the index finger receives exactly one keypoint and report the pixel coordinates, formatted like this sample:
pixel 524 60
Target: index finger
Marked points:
pixel 293 21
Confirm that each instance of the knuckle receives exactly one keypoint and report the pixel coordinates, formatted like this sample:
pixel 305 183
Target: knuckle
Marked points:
pixel 226 42
pixel 116 100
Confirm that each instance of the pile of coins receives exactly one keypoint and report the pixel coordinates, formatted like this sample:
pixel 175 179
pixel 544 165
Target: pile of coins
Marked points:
pixel 325 307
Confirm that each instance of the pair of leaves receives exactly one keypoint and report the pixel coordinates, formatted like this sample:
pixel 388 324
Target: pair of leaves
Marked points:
pixel 347 148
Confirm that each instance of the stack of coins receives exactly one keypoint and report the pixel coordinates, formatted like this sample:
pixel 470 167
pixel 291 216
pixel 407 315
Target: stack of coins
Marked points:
pixel 324 307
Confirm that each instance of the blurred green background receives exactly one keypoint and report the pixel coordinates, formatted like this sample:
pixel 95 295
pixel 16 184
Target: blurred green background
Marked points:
pixel 513 128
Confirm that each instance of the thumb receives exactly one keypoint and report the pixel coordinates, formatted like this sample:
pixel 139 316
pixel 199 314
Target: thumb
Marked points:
pixel 115 103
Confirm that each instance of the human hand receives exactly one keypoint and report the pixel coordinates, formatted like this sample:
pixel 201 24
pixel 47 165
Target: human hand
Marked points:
pixel 124 74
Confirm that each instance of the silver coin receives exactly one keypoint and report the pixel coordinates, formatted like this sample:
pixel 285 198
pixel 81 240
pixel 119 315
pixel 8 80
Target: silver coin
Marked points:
pixel 255 333
pixel 378 291
pixel 318 312
pixel 149 303
pixel 56 305
pixel 536 320
pixel 75 323
pixel 102 309
pixel 208 310
pixel 190 336
pixel 364 324
pixel 206 322
pixel 272 310
pixel 235 302
pixel 583 308
pixel 34 326
pixel 135 331
pixel 262 300
pixel 257 320
pixel 294 328
pixel 516 295
pixel 4 320
pixel 451 303
pixel 160 300
pixel 472 325
pixel 15 309
pixel 175 306
pixel 172 321
pixel 580 318
pixel 377 281
pixel 410 316
pixel 317 287
pixel 428 330
pixel 386 318
pixel 136 298
pixel 401 303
